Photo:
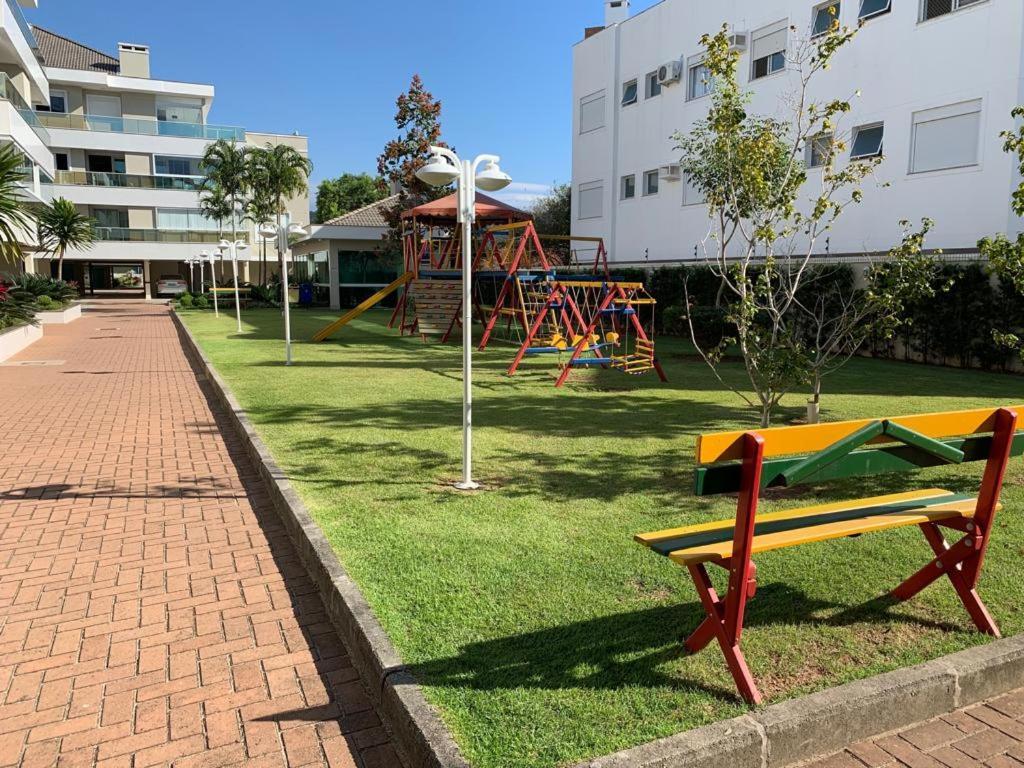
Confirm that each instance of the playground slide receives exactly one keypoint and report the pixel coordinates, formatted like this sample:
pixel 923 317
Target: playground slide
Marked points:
pixel 325 333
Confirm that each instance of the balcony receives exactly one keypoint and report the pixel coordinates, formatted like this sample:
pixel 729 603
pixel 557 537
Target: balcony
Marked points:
pixel 10 94
pixel 140 126
pixel 126 235
pixel 128 181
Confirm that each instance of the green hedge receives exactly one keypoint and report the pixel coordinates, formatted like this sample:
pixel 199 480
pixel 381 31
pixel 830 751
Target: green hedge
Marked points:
pixel 955 328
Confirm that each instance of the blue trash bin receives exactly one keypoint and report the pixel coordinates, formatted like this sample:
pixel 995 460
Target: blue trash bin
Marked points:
pixel 306 294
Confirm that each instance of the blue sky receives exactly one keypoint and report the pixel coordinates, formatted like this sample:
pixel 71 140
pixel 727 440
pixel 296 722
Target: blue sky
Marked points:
pixel 331 69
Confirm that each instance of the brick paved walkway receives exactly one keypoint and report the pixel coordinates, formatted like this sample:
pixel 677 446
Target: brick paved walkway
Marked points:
pixel 990 735
pixel 152 611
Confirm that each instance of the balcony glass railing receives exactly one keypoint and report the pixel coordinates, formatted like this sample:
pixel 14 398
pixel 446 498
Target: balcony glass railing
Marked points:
pixel 127 235
pixel 140 126
pixel 129 180
pixel 9 93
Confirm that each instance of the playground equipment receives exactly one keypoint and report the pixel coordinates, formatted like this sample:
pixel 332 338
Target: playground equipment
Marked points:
pixel 597 322
pixel 429 289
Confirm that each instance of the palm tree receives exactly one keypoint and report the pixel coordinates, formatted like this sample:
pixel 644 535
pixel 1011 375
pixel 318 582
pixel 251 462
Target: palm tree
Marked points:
pixel 226 166
pixel 280 172
pixel 214 204
pixel 259 211
pixel 15 218
pixel 62 227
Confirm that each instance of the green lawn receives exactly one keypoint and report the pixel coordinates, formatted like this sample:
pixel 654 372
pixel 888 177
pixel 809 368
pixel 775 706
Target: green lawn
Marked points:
pixel 541 631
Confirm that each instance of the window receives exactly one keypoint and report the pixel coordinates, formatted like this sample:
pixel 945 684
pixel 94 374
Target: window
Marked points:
pixel 591 200
pixel 650 183
pixel 825 18
pixel 871 8
pixel 867 142
pixel 58 102
pixel 932 9
pixel 946 137
pixel 629 93
pixel 692 194
pixel 592 112
pixel 768 51
pixel 60 160
pixel 628 190
pixel 165 165
pixel 819 149
pixel 653 87
pixel 110 217
pixel 179 112
pixel 698 81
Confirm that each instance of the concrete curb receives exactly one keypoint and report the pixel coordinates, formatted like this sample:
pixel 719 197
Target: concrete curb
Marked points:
pixel 420 735
pixel 776 736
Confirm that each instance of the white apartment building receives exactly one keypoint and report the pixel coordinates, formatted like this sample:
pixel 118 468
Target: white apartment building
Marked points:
pixel 124 146
pixel 937 82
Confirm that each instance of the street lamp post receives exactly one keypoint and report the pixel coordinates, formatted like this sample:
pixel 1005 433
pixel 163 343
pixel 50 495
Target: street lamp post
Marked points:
pixel 280 232
pixel 212 258
pixel 191 262
pixel 443 168
pixel 233 248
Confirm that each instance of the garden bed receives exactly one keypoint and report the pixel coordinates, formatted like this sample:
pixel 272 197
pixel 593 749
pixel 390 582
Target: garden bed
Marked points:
pixel 14 340
pixel 542 633
pixel 62 316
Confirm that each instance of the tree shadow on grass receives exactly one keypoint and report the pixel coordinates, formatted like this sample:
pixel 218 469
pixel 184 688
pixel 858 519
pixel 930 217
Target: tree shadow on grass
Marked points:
pixel 631 649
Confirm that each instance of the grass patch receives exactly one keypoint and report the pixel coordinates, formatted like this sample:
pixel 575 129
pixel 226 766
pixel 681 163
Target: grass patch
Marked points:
pixel 541 631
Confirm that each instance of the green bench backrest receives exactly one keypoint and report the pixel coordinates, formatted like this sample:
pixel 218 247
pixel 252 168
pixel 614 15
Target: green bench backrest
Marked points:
pixel 823 452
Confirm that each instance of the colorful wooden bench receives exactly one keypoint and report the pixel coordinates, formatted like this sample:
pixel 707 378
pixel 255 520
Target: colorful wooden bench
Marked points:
pixel 747 462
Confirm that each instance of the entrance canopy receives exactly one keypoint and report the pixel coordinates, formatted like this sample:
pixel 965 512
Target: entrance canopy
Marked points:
pixel 444 212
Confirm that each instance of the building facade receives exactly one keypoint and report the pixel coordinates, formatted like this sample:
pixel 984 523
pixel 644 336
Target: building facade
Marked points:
pixel 937 80
pixel 125 148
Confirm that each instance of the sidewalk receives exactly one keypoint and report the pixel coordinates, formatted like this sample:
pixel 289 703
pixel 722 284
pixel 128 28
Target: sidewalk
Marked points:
pixel 990 735
pixel 152 610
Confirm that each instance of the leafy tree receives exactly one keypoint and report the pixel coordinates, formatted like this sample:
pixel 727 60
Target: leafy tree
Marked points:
pixel 280 172
pixel 348 192
pixel 1005 256
pixel 260 209
pixel 227 169
pixel 762 236
pixel 15 219
pixel 552 214
pixel 418 118
pixel 62 227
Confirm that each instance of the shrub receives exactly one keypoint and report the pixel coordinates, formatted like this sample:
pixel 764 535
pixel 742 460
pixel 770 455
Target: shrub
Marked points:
pixel 17 306
pixel 60 291
pixel 185 301
pixel 200 302
pixel 45 302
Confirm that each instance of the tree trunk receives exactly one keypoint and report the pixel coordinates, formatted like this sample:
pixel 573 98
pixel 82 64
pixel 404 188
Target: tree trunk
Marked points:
pixel 814 404
pixel 60 265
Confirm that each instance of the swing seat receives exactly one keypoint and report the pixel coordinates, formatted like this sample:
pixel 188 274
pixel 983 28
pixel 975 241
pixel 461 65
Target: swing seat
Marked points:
pixel 634 364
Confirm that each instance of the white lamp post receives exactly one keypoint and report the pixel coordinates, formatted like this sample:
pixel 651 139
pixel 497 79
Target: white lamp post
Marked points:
pixel 281 232
pixel 191 262
pixel 233 248
pixel 211 258
pixel 443 168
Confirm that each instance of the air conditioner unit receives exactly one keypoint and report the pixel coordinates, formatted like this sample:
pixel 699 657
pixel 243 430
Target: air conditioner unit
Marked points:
pixel 669 73
pixel 738 42
pixel 670 172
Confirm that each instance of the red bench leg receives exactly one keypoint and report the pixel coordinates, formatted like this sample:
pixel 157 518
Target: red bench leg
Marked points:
pixel 961 562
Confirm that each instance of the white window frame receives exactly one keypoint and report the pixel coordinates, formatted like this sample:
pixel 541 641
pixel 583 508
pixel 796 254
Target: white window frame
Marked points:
pixel 694 63
pixel 64 95
pixel 652 85
pixel 622 187
pixel 861 16
pixel 648 175
pixel 856 133
pixel 635 84
pixel 589 186
pixel 760 34
pixel 960 109
pixel 179 103
pixel 956 7
pixel 95 98
pixel 818 9
pixel 155 172
pixel 688 185
pixel 586 101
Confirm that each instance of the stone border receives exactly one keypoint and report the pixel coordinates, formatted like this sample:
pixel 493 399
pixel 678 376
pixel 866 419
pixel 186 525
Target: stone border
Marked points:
pixel 774 737
pixel 420 735
pixel 18 338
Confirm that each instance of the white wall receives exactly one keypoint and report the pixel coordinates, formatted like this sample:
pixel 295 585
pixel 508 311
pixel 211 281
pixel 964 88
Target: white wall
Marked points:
pixel 901 66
